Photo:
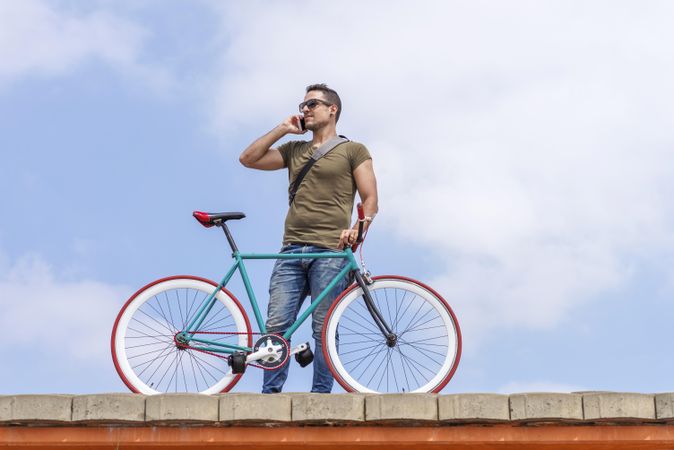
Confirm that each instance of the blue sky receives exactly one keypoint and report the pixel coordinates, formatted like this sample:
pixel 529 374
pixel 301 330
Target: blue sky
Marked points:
pixel 523 152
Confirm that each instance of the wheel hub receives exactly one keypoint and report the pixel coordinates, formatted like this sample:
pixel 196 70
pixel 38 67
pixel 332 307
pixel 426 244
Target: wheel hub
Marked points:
pixel 180 339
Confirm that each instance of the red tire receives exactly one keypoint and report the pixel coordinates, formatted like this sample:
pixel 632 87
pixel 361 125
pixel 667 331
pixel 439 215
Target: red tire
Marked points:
pixel 143 344
pixel 427 351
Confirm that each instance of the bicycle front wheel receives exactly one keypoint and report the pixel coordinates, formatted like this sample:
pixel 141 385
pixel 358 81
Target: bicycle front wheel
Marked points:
pixel 144 349
pixel 428 346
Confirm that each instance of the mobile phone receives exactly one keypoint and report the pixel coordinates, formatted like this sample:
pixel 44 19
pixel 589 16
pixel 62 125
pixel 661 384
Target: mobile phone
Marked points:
pixel 302 125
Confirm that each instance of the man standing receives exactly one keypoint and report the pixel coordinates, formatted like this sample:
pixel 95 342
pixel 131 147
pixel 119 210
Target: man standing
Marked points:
pixel 318 218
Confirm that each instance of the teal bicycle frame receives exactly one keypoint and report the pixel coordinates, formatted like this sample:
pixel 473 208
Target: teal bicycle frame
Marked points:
pixel 188 335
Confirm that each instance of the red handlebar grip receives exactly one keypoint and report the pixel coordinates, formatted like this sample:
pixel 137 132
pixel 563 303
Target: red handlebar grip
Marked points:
pixel 361 212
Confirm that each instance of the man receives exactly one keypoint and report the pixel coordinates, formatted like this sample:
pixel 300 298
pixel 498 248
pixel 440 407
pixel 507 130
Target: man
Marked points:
pixel 318 218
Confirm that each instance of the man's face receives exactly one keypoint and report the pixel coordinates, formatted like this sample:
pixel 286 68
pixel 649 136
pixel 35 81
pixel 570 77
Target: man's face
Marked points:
pixel 320 115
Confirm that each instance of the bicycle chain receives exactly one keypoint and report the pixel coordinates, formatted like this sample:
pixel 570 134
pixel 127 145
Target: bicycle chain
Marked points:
pixel 188 347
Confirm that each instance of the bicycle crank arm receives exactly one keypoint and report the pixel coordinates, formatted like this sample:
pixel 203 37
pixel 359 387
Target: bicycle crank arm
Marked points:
pixel 257 355
pixel 299 348
pixel 268 349
pixel 265 352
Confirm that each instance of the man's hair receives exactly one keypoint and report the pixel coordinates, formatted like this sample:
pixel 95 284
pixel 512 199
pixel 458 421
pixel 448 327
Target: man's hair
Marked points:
pixel 330 95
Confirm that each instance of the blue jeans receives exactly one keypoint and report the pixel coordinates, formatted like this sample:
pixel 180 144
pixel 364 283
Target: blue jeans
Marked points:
pixel 291 281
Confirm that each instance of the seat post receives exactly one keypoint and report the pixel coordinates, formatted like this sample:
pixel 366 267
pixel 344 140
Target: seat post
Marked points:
pixel 229 236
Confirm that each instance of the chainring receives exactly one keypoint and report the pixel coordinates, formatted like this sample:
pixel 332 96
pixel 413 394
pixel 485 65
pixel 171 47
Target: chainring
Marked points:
pixel 278 354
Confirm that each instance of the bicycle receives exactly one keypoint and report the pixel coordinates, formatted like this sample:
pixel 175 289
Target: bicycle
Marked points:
pixel 189 334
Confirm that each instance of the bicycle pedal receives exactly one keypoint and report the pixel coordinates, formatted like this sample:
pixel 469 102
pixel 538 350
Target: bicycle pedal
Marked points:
pixel 304 356
pixel 237 362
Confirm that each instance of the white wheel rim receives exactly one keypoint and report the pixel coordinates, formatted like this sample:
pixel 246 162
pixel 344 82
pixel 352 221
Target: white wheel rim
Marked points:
pixel 123 323
pixel 391 283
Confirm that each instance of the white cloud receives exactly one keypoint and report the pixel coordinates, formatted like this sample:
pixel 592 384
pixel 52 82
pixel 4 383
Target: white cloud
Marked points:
pixel 38 39
pixel 528 143
pixel 43 312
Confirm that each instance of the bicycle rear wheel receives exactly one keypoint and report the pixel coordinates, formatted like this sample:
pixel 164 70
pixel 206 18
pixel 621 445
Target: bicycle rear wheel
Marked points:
pixel 145 352
pixel 427 351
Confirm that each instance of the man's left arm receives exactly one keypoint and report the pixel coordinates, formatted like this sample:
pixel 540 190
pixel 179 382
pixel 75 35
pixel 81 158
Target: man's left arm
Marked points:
pixel 366 183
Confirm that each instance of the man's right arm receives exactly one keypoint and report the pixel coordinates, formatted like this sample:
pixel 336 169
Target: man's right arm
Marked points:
pixel 260 154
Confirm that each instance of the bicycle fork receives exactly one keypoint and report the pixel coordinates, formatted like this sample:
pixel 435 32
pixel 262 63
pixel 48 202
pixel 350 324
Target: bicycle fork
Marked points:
pixel 391 337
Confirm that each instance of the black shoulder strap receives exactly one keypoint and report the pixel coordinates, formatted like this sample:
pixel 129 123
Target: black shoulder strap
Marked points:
pixel 318 154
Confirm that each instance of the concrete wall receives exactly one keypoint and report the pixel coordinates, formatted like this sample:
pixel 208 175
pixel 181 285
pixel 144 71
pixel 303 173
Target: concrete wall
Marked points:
pixel 348 409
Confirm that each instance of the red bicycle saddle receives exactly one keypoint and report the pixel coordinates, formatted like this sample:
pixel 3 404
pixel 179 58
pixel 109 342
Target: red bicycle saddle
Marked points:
pixel 210 219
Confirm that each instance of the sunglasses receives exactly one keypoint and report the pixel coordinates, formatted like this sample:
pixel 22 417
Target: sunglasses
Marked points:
pixel 314 102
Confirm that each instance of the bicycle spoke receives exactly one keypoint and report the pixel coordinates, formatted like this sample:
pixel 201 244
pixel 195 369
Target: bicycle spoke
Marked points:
pixel 212 316
pixel 366 317
pixel 150 352
pixel 375 373
pixel 370 357
pixel 217 324
pixel 427 328
pixel 201 372
pixel 402 363
pixel 426 351
pixel 128 347
pixel 427 344
pixel 410 367
pixel 418 364
pixel 175 372
pixel 203 363
pixel 388 308
pixel 149 362
pixel 416 324
pixel 421 305
pixel 364 358
pixel 168 306
pixel 386 371
pixel 357 332
pixel 189 312
pixel 145 335
pixel 356 342
pixel 395 378
pixel 170 353
pixel 180 312
pixel 407 307
pixel 144 338
pixel 420 360
pixel 398 306
pixel 360 324
pixel 165 325
pixel 362 349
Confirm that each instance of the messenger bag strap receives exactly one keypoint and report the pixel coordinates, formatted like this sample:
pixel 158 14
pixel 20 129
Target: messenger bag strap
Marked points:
pixel 318 154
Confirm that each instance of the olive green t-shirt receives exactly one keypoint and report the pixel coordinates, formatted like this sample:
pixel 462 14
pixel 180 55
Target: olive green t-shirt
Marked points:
pixel 324 201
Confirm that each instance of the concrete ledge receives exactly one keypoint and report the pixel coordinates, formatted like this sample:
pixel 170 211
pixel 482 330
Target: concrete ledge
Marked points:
pixel 546 406
pixel 181 408
pixel 109 408
pixel 664 405
pixel 36 408
pixel 328 408
pixel 473 407
pixel 255 408
pixel 615 405
pixel 401 407
pixel 293 409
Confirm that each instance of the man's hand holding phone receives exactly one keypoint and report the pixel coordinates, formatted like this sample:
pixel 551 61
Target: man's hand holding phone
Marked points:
pixel 295 124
